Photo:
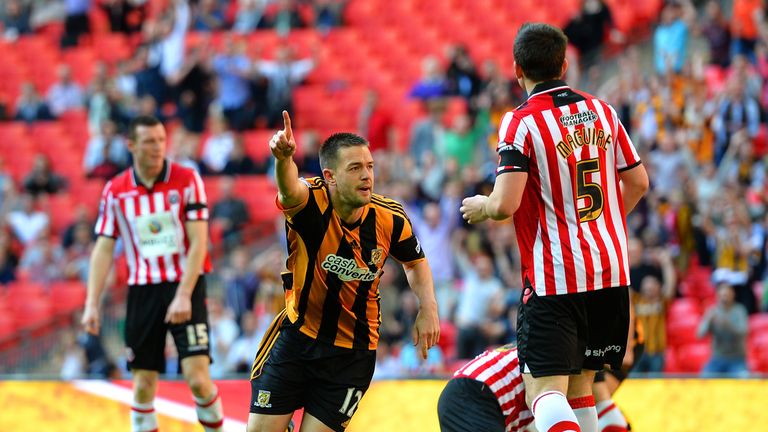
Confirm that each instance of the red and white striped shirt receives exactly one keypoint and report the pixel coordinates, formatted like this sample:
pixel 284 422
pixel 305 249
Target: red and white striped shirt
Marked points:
pixel 571 223
pixel 500 371
pixel 151 221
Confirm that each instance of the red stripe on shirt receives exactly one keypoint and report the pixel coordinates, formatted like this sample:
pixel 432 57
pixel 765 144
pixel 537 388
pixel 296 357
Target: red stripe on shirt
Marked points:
pixel 558 206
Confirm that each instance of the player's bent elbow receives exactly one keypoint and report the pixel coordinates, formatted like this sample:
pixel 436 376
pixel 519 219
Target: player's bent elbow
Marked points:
pixel 636 179
pixel 638 187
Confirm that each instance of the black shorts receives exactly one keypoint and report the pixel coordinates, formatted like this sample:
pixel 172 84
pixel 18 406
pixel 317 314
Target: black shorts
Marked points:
pixel 292 371
pixel 146 329
pixel 468 405
pixel 621 374
pixel 563 334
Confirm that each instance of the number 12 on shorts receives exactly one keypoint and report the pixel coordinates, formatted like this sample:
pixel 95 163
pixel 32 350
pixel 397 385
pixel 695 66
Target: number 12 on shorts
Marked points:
pixel 349 407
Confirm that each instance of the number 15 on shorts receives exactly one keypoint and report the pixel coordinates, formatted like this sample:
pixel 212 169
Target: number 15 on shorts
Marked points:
pixel 349 406
pixel 197 336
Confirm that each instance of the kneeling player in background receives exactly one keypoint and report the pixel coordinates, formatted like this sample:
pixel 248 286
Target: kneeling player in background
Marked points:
pixel 491 388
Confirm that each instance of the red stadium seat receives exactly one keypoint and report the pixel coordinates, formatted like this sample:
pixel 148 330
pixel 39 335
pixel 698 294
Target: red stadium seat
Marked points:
pixel 61 210
pixel 88 193
pixel 692 357
pixel 81 60
pixel 112 47
pixel 697 288
pixel 447 341
pixel 34 313
pixel 68 296
pixel 682 331
pixel 670 361
pixel 257 144
pixel 758 353
pixel 9 334
pixel 259 194
pixel 212 190
pixel 684 307
pixel 20 291
pixel 758 324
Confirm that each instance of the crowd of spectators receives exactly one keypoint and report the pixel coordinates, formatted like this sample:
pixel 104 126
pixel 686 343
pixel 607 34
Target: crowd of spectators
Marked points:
pixel 696 117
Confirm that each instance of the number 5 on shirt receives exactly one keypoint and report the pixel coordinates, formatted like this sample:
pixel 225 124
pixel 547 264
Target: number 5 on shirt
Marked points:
pixel 589 191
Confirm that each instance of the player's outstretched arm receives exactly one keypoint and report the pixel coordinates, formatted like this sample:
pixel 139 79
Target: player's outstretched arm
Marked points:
pixel 502 203
pixel 426 329
pixel 101 261
pixel 290 190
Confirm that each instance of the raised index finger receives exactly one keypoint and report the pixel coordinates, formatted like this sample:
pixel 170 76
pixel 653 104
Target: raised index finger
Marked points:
pixel 287 125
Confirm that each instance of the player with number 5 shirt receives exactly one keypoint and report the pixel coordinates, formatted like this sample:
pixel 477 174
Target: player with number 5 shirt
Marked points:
pixel 569 174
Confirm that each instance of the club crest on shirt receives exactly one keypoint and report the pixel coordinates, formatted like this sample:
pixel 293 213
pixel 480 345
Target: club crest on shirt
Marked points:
pixel 155 227
pixel 174 197
pixel 262 399
pixel 376 256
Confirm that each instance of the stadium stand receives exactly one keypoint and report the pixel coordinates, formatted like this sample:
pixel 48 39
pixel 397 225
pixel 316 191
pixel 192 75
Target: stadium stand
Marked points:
pixel 379 47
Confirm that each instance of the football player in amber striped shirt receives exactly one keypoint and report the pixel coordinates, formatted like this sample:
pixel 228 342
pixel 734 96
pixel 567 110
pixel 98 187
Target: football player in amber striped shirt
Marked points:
pixel 319 353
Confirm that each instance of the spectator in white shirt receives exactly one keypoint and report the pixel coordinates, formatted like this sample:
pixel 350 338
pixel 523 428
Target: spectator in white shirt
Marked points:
pixel 65 95
pixel 224 331
pixel 434 225
pixel 218 146
pixel 27 222
pixel 240 357
pixel 283 75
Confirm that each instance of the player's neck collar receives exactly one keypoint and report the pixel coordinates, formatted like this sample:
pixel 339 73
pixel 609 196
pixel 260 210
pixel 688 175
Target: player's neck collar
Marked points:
pixel 161 178
pixel 547 86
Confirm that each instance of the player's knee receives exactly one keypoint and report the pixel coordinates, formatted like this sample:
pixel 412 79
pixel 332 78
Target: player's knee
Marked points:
pixel 199 384
pixel 260 423
pixel 580 385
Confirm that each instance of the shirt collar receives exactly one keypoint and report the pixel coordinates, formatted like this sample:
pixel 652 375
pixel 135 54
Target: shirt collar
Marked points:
pixel 161 178
pixel 548 86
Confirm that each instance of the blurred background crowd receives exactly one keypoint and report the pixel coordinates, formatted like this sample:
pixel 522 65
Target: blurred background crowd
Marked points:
pixel 428 88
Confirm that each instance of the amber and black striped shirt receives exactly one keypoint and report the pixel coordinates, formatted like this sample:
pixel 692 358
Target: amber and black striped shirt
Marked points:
pixel 332 284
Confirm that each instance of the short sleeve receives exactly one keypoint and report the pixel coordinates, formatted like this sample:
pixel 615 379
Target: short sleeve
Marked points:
pixel 106 224
pixel 317 194
pixel 514 147
pixel 405 246
pixel 626 154
pixel 196 206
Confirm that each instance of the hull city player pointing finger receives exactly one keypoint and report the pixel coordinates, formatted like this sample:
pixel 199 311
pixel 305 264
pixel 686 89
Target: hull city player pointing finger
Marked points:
pixel 319 353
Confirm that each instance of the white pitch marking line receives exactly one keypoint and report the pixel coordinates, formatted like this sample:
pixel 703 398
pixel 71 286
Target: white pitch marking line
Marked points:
pixel 163 406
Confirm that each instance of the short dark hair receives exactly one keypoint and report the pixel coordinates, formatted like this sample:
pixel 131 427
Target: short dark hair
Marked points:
pixel 540 51
pixel 329 151
pixel 143 120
